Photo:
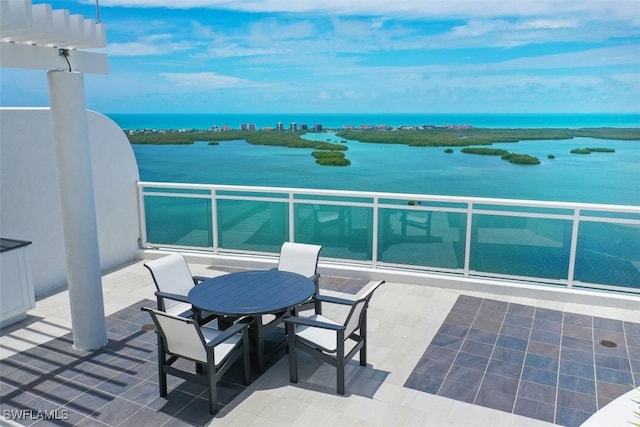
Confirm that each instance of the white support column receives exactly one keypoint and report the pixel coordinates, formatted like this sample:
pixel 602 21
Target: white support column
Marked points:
pixel 73 160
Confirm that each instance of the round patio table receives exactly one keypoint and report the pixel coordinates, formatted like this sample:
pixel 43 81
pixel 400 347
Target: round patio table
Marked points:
pixel 252 294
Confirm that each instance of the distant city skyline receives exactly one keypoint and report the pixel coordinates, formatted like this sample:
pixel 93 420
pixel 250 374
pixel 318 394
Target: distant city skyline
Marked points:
pixel 357 56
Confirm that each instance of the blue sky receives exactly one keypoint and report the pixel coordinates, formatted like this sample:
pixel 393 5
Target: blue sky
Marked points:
pixel 358 56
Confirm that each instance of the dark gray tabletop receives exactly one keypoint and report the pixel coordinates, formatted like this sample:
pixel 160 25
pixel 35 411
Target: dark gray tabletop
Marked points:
pixel 251 293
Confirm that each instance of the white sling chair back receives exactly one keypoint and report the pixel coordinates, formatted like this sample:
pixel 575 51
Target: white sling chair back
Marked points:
pixel 302 258
pixel 173 281
pixel 299 258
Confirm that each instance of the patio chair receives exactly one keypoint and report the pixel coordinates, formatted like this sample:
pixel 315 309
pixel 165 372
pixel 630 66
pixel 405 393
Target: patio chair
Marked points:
pixel 217 350
pixel 332 341
pixel 173 281
pixel 298 258
pixel 302 258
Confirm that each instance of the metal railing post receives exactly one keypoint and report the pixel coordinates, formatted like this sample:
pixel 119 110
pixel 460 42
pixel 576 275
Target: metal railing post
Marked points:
pixel 292 228
pixel 574 247
pixel 143 217
pixel 214 222
pixel 376 230
pixel 467 240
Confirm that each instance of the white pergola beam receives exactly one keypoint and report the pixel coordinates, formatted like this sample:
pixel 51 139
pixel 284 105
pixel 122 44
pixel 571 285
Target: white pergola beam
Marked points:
pixel 16 17
pixel 47 58
pixel 26 24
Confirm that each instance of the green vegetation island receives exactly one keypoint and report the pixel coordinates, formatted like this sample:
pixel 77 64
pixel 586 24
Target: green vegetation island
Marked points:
pixel 592 150
pixel 518 159
pixel 333 154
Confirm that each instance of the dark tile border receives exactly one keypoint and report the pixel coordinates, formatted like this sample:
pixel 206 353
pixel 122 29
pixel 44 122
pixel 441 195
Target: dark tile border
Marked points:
pixel 536 362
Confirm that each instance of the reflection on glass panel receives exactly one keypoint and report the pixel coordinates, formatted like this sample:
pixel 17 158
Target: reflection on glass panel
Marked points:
pixel 608 254
pixel 422 238
pixel 343 231
pixel 521 246
pixel 252 226
pixel 178 221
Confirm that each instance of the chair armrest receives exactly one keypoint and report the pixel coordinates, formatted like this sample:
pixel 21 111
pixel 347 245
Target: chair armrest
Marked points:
pixel 333 300
pixel 315 277
pixel 311 322
pixel 227 333
pixel 177 297
pixel 198 279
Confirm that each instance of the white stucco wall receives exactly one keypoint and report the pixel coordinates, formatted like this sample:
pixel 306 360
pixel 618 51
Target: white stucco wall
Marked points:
pixel 30 201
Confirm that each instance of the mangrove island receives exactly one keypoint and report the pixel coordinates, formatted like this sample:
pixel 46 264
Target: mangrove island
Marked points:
pixel 333 154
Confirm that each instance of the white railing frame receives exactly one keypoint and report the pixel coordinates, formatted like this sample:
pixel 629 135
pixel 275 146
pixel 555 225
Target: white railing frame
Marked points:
pixel 288 195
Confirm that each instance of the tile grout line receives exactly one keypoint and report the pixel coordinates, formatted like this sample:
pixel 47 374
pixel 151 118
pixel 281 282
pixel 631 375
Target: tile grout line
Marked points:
pixel 484 373
pixel 626 344
pixel 459 349
pixel 555 405
pixel 515 401
pixel 593 349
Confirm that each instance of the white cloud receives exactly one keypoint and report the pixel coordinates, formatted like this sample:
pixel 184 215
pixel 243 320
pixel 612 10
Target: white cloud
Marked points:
pixel 601 9
pixel 207 81
pixel 158 44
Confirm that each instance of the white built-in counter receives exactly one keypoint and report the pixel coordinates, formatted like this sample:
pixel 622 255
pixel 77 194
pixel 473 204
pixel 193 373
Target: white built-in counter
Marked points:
pixel 16 283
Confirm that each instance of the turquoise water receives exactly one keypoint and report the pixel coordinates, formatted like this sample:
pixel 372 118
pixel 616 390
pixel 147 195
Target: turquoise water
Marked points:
pixel 611 178
pixel 205 121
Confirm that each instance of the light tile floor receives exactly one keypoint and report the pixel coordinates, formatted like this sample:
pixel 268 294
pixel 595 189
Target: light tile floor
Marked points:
pixel 120 389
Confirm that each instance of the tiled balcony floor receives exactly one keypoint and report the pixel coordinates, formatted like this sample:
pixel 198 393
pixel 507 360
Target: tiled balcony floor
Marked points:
pixel 117 385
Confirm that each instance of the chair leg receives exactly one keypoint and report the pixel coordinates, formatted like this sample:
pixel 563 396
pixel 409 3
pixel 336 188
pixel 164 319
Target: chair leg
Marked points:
pixel 340 367
pixel 213 384
pixel 317 304
pixel 246 357
pixel 162 375
pixel 340 376
pixel 363 334
pixel 293 358
pixel 259 344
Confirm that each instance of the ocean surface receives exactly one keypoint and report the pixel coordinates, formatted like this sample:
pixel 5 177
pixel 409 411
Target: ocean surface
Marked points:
pixel 335 121
pixel 610 178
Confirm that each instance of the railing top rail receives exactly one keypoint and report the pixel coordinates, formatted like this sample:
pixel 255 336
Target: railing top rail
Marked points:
pixel 407 196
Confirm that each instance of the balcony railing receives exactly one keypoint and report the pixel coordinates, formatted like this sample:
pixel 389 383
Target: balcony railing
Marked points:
pixel 567 244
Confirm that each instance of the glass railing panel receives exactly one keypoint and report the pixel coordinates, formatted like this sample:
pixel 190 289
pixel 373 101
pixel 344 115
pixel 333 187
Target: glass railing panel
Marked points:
pixel 422 238
pixel 252 226
pixel 178 221
pixel 521 246
pixel 608 254
pixel 344 232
